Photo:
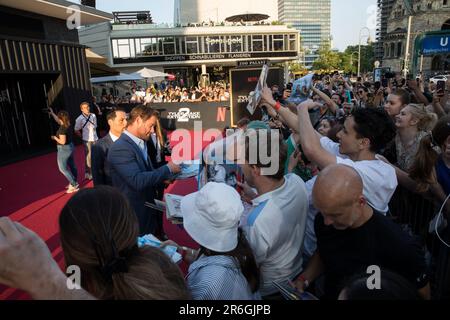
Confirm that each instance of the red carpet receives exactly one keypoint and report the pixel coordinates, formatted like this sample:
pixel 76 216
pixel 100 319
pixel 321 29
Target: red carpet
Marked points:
pixel 32 192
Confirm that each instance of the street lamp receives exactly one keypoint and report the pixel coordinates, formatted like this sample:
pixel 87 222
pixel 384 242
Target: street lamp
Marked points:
pixel 411 12
pixel 359 47
pixel 351 58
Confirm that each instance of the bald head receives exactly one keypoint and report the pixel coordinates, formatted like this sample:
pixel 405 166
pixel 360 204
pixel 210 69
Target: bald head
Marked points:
pixel 338 195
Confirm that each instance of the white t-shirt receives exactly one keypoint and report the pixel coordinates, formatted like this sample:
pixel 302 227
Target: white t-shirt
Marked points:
pixel 379 179
pixel 275 229
pixel 379 184
pixel 148 98
pixel 89 130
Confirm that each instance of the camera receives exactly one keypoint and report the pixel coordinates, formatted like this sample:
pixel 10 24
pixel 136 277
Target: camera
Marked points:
pixel 277 96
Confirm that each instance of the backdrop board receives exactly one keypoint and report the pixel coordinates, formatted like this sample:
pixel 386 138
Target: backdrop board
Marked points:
pixel 243 81
pixel 181 115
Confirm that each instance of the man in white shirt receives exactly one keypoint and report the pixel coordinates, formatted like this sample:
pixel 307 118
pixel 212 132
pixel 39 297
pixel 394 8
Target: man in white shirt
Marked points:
pixel 366 131
pixel 87 123
pixel 275 226
pixel 117 121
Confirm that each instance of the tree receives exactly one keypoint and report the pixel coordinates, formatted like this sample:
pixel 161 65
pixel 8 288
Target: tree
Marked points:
pixel 367 57
pixel 297 67
pixel 328 59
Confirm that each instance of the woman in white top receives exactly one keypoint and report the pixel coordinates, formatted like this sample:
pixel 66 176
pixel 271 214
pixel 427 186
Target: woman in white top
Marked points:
pixel 148 96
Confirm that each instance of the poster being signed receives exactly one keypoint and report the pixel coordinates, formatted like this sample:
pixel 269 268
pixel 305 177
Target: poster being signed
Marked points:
pixel 255 96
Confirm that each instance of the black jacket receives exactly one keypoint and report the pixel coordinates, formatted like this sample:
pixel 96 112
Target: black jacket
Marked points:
pixel 100 166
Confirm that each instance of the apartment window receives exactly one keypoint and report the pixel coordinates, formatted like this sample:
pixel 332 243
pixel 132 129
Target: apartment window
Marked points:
pixel 212 44
pixel 168 45
pixel 278 42
pixel 144 47
pixel 192 45
pixel 392 50
pixel 121 48
pixel 257 43
pixel 235 43
pixel 292 42
pixel 445 2
pixel 399 49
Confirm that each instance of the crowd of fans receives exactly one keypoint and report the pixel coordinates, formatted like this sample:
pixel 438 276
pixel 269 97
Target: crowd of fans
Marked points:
pixel 165 93
pixel 363 168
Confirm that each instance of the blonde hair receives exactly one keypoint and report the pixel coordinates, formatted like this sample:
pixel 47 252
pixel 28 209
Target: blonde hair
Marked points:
pixel 426 119
pixel 158 129
pixel 422 170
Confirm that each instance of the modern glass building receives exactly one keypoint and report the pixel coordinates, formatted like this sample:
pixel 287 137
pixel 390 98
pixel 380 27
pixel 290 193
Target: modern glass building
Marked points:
pixel 312 19
pixel 189 52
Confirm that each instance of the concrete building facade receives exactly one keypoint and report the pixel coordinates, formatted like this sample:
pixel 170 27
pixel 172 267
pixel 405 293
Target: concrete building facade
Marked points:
pixel 428 16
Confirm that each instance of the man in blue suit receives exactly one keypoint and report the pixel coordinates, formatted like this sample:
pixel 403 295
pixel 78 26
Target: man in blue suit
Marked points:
pixel 117 121
pixel 131 169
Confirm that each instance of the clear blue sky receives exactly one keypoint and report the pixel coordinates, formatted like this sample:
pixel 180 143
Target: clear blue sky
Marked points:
pixel 347 16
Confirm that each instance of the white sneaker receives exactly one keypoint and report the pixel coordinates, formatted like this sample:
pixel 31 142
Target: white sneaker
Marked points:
pixel 73 189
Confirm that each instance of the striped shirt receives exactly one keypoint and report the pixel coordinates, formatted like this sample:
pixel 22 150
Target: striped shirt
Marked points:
pixel 218 278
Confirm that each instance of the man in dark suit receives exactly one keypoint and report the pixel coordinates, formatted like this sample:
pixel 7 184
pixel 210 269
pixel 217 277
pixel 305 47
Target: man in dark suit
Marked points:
pixel 131 169
pixel 117 121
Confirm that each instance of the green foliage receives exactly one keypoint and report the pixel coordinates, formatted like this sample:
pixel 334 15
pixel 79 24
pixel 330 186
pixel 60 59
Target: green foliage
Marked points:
pixel 327 60
pixel 346 61
pixel 276 23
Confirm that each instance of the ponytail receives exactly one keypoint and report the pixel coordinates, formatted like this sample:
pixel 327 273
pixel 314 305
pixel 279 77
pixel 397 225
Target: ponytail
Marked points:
pixel 422 169
pixel 151 276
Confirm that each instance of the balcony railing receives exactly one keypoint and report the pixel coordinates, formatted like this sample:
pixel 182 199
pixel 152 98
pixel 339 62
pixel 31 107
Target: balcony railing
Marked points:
pixel 132 17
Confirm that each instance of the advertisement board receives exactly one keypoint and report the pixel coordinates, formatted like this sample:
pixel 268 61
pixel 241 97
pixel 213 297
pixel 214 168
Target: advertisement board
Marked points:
pixel 243 81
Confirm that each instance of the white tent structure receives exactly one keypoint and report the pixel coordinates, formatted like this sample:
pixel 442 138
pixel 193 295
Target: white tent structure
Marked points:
pixel 151 74
pixel 121 77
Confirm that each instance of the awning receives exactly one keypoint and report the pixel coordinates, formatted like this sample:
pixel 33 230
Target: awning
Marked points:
pixel 102 70
pixel 92 57
pixel 98 66
pixel 118 78
pixel 151 74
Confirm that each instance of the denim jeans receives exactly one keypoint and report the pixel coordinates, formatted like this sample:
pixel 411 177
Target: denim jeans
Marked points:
pixel 65 159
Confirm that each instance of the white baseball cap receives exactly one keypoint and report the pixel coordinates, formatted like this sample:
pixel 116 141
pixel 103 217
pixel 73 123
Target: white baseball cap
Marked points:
pixel 211 216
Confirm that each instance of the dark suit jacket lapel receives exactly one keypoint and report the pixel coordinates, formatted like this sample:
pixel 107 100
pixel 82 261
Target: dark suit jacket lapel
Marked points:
pixel 140 156
pixel 108 142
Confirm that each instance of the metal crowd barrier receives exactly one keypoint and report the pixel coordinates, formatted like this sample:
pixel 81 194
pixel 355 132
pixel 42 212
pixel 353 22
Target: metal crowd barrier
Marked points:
pixel 414 213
